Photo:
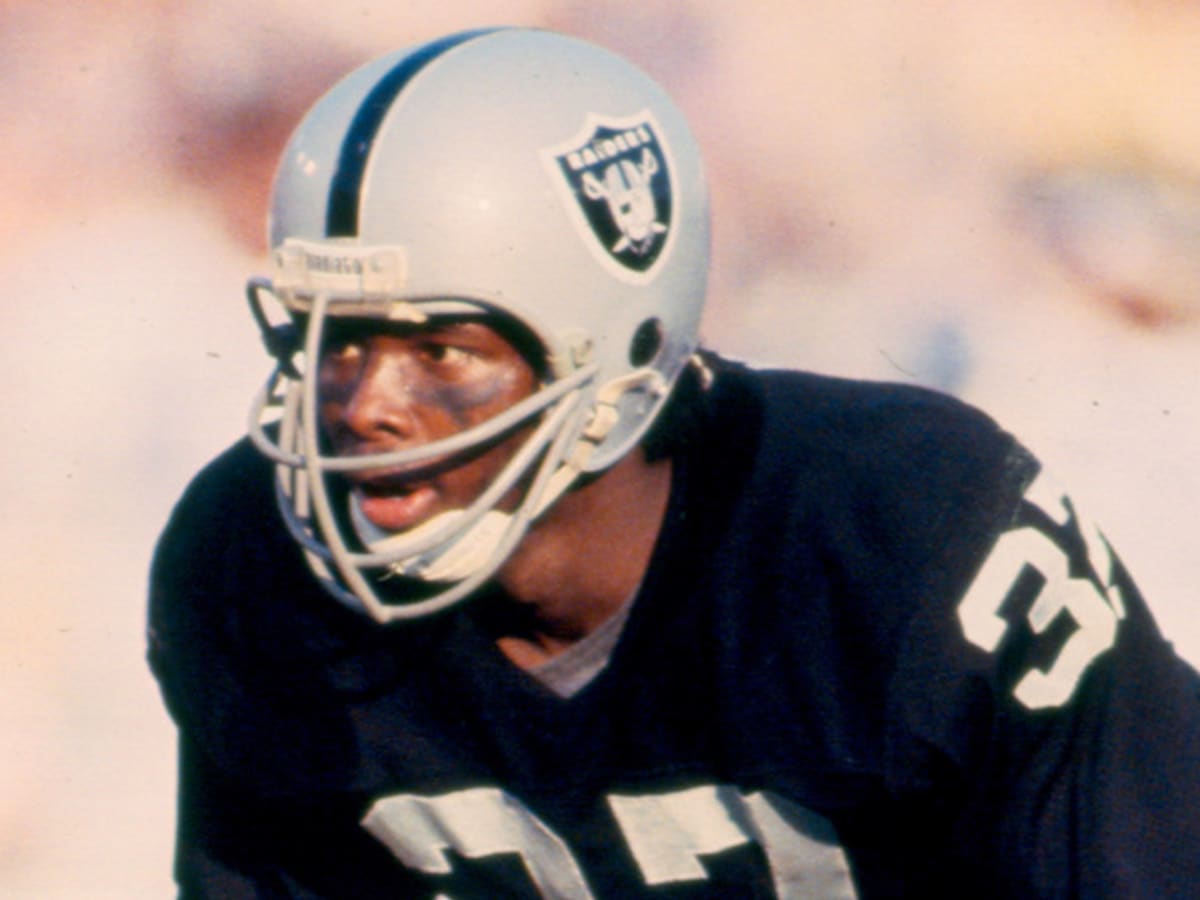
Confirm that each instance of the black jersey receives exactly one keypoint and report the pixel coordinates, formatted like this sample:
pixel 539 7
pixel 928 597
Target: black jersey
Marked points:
pixel 876 654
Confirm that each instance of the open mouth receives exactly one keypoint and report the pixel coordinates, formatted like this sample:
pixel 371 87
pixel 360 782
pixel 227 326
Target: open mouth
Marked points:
pixel 393 503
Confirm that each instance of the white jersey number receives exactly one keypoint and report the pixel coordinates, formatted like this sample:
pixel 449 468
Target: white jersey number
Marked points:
pixel 666 834
pixel 1095 608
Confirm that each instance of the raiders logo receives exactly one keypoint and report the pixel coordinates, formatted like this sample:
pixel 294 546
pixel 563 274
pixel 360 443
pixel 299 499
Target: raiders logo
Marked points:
pixel 616 179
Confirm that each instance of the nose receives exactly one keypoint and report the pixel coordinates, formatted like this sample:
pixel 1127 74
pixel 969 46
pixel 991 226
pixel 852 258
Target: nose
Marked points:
pixel 372 405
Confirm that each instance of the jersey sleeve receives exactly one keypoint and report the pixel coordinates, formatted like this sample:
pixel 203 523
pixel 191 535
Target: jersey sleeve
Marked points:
pixel 218 838
pixel 254 665
pixel 1047 703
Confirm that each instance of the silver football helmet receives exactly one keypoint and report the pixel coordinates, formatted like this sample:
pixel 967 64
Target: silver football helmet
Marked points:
pixel 509 172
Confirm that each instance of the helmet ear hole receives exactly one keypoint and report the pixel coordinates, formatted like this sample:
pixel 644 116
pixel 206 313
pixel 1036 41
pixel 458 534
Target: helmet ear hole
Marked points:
pixel 647 341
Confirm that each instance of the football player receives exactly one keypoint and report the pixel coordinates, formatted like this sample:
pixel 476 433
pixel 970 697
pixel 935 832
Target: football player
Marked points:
pixel 514 591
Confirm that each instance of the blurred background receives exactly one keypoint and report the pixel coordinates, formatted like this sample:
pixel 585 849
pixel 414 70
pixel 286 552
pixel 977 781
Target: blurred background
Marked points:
pixel 997 198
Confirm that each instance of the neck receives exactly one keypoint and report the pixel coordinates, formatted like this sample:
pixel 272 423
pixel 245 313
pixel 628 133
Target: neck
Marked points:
pixel 583 559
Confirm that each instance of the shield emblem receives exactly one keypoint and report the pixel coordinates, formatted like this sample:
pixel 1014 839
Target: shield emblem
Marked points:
pixel 616 178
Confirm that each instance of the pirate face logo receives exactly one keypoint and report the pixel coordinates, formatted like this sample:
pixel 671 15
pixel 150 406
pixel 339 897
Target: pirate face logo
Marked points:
pixel 615 177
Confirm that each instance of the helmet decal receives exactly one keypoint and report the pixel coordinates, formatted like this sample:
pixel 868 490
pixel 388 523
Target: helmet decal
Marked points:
pixel 615 177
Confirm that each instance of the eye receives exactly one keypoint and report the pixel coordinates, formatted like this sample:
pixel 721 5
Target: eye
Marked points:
pixel 447 354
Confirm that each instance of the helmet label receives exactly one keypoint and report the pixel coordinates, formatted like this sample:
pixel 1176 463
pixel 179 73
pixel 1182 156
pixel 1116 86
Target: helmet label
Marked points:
pixel 341 269
pixel 615 177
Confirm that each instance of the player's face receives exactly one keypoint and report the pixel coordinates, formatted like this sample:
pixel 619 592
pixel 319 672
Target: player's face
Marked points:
pixel 401 387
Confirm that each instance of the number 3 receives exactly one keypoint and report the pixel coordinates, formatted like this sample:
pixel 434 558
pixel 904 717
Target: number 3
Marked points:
pixel 1095 608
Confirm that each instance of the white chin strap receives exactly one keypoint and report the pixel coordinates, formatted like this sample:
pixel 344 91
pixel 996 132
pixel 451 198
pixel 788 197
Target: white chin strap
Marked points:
pixel 453 560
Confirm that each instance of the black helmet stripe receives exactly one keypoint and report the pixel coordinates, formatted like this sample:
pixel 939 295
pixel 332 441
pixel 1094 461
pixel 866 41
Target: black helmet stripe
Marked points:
pixel 341 216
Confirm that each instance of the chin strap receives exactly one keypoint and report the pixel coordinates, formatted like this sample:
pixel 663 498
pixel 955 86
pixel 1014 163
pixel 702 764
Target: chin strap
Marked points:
pixel 452 560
